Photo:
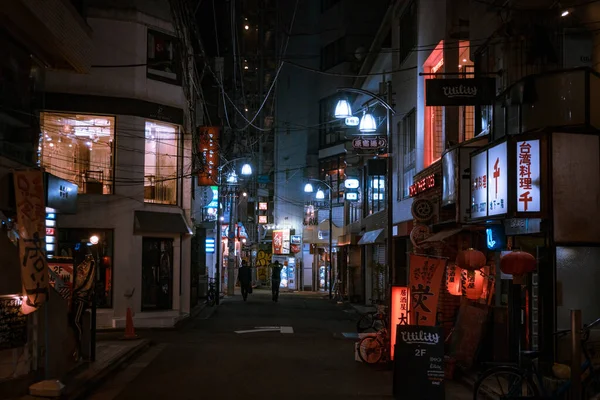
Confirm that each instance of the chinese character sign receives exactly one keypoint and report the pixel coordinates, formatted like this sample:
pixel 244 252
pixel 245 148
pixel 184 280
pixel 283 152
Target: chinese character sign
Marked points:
pixel 399 314
pixel 426 276
pixel 61 279
pixel 497 180
pixel 208 151
pixel 31 212
pixel 528 176
pixel 281 241
pixel 479 185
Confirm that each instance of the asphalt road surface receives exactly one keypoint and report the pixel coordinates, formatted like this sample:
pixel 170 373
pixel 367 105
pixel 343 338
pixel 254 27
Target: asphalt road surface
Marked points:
pixel 207 359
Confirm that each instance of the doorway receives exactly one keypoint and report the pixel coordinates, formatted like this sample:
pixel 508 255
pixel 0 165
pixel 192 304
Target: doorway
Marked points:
pixel 157 274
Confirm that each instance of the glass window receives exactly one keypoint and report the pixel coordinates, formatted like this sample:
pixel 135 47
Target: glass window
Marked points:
pixel 409 151
pixel 79 148
pixel 68 239
pixel 161 163
pixel 163 58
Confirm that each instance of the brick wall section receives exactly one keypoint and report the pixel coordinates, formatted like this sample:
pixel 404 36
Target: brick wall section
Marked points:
pixel 448 304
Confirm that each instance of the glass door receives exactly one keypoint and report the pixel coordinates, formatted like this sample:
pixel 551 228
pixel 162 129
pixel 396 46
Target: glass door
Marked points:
pixel 157 274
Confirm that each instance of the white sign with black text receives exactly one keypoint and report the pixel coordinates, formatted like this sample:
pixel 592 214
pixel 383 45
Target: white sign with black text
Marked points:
pixel 528 176
pixel 479 185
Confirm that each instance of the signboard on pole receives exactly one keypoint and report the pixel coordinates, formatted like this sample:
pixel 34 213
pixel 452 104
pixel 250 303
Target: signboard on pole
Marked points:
pixel 426 275
pixel 419 363
pixel 460 92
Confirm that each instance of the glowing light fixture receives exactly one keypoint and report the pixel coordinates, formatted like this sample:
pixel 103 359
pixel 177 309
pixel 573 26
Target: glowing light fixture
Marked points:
pixel 246 27
pixel 246 169
pixel 308 188
pixel 367 123
pixel 94 239
pixel 343 109
pixel 564 13
pixel 320 195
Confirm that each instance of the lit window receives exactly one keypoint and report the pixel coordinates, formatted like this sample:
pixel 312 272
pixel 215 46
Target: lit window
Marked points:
pixel 79 148
pixel 161 161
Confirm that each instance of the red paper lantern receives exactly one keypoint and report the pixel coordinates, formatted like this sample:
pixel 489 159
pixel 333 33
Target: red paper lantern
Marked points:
pixel 472 284
pixel 470 259
pixel 517 263
pixel 453 275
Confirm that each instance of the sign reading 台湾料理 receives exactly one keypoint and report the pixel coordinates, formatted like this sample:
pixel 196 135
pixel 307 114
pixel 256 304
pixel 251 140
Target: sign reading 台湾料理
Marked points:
pixel 419 363
pixel 528 176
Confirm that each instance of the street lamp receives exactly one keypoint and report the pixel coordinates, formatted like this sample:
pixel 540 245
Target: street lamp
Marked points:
pixel 232 179
pixel 343 109
pixel 368 123
pixel 320 196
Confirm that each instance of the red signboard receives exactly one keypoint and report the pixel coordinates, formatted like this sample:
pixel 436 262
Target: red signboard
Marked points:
pixel 208 149
pixel 422 185
pixel 400 312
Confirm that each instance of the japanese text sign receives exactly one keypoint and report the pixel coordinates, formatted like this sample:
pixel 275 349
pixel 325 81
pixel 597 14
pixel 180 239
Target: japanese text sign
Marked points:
pixel 528 176
pixel 281 241
pixel 479 185
pixel 426 276
pixel 400 309
pixel 31 212
pixel 208 149
pixel 61 279
pixel 497 180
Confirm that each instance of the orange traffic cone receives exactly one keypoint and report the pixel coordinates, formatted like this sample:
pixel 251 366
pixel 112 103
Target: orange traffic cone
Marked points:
pixel 129 329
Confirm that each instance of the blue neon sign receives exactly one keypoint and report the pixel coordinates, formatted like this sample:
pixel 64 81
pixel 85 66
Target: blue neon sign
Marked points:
pixel 209 245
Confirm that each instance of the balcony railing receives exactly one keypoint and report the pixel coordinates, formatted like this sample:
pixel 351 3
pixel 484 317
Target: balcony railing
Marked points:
pixel 558 99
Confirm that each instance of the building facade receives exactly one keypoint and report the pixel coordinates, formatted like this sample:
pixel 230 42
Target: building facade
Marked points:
pixel 120 134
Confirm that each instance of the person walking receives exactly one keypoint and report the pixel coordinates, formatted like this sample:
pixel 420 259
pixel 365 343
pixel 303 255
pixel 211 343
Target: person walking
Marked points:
pixel 245 279
pixel 276 268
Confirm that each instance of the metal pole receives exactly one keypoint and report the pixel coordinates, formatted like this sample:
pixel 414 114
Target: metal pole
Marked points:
pixel 576 354
pixel 389 191
pixel 330 239
pixel 218 240
pixel 231 248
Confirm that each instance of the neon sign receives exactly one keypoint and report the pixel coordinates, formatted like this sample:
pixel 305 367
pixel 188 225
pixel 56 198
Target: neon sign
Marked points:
pixel 422 185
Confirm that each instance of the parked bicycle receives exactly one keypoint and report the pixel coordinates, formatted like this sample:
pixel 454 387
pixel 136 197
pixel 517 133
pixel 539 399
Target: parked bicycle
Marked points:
pixel 211 294
pixel 523 381
pixel 373 349
pixel 373 321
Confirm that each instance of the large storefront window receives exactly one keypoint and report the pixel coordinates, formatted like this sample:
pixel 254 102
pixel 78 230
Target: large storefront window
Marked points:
pixel 103 253
pixel 79 148
pixel 161 163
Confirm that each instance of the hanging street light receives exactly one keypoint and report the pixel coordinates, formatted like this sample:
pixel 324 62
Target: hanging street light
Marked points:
pixel 246 169
pixel 367 123
pixel 308 188
pixel 320 195
pixel 343 109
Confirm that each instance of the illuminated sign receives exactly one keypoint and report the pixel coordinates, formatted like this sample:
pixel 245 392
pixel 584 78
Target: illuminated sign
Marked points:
pixel 209 245
pixel 400 309
pixel 495 237
pixel 208 148
pixel 351 196
pixel 369 143
pixel 352 121
pixel 489 182
pixel 262 219
pixel 422 185
pixel 263 206
pixel 498 180
pixel 528 176
pixel 351 183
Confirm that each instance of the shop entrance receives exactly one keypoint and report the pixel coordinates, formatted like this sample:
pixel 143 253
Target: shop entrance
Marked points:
pixel 157 274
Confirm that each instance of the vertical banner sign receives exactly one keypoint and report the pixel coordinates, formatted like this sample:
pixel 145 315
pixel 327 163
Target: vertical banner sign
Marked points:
pixel 419 363
pixel 426 276
pixel 277 242
pixel 528 176
pixel 399 315
pixel 31 210
pixel 208 151
pixel 498 180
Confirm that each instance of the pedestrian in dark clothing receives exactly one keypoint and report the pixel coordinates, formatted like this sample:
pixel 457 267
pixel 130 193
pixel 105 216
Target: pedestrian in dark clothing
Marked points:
pixel 245 279
pixel 276 279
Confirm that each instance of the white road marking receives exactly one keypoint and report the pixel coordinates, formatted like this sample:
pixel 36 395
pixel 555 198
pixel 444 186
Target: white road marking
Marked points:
pixel 281 329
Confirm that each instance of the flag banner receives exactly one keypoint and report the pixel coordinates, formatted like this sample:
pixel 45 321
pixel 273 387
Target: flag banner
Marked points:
pixel 31 213
pixel 426 275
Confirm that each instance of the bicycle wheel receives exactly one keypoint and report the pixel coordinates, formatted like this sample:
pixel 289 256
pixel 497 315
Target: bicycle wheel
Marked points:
pixel 504 383
pixel 370 350
pixel 365 323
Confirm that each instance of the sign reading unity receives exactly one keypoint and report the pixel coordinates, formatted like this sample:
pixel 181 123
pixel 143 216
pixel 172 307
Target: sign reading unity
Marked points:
pixel 419 363
pixel 31 213
pixel 426 275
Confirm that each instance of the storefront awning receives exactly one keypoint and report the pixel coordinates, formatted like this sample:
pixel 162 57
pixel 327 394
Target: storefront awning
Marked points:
pixel 159 222
pixel 440 236
pixel 376 236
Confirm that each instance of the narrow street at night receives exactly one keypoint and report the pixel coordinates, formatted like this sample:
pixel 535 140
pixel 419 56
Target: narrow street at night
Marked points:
pixel 208 359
